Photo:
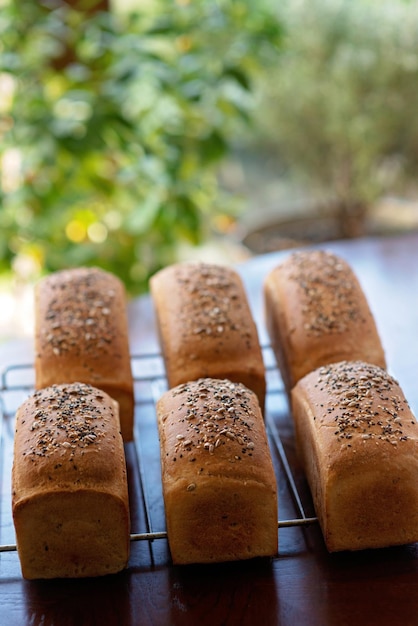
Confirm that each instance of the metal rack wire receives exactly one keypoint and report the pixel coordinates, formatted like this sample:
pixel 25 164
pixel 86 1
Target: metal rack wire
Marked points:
pixel 17 381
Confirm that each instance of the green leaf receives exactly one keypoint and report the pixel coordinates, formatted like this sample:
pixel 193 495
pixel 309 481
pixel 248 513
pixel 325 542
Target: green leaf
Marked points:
pixel 142 217
pixel 129 114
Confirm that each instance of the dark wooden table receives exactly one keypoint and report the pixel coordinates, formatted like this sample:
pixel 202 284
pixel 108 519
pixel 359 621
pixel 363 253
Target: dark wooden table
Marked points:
pixel 304 584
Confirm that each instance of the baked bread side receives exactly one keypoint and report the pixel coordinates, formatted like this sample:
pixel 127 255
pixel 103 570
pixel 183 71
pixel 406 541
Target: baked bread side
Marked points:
pixel 218 479
pixel 206 326
pixel 81 335
pixel 358 442
pixel 69 485
pixel 317 313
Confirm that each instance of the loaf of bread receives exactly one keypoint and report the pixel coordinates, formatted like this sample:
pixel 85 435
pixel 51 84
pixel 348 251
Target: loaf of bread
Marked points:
pixel 218 480
pixel 358 442
pixel 206 327
pixel 81 335
pixel 317 313
pixel 69 485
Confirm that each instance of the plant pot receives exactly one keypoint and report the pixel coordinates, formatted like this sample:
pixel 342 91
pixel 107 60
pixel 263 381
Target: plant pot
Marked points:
pixel 297 232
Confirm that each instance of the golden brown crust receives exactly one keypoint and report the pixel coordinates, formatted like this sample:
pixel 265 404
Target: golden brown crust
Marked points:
pixel 218 479
pixel 70 496
pixel 81 334
pixel 358 441
pixel 317 313
pixel 206 326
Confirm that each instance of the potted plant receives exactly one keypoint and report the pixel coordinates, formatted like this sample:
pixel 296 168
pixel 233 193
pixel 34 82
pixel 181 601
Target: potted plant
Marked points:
pixel 339 110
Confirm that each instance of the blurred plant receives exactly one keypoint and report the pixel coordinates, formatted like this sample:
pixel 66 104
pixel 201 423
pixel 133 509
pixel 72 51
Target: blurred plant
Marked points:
pixel 112 126
pixel 340 107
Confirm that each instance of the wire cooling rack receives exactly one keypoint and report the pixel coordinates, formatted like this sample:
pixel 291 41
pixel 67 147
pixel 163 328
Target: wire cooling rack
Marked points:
pixel 17 382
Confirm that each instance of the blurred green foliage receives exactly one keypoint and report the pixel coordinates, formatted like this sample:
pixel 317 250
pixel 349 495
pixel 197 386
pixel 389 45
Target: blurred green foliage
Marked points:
pixel 112 126
pixel 340 109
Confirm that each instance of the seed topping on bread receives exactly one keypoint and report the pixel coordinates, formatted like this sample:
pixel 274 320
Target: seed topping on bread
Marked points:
pixel 67 419
pixel 209 310
pixel 330 304
pixel 80 310
pixel 364 400
pixel 217 413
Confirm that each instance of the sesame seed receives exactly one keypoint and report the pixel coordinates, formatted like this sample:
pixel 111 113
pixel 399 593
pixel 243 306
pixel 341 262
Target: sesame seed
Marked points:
pixel 216 403
pixel 369 408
